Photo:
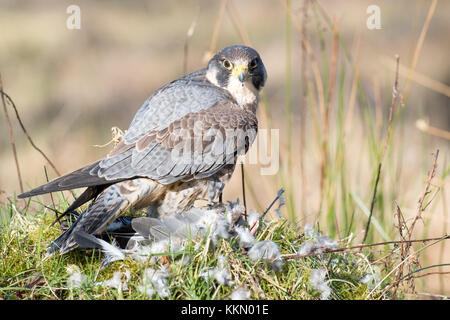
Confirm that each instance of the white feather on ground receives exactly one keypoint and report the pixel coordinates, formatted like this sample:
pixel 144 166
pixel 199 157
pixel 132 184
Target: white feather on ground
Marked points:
pixel 267 251
pixel 317 280
pixel 219 273
pixel 246 239
pixel 317 243
pixel 112 252
pixel 240 293
pixel 118 281
pixel 76 278
pixel 155 281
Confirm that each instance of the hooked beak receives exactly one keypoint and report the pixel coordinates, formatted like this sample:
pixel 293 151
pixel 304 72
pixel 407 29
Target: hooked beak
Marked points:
pixel 241 72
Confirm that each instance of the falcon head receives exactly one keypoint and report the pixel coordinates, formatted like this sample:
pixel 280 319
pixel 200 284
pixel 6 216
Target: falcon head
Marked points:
pixel 239 70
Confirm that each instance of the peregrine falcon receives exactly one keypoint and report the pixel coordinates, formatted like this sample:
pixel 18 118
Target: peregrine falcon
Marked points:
pixel 181 146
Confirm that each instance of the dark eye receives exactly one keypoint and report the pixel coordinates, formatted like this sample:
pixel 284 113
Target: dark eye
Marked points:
pixel 253 64
pixel 227 64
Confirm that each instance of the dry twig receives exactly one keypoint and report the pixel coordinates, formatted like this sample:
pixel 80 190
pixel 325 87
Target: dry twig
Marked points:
pixel 403 262
pixel 396 96
pixel 12 104
pixel 407 244
pixel 346 249
pixel 11 134
pixel 421 207
pixel 401 226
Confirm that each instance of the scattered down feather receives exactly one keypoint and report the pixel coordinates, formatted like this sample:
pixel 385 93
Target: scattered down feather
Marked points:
pixel 155 282
pixel 267 251
pixel 317 281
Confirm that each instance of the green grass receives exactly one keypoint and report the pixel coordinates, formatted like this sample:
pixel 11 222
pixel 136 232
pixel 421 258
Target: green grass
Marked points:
pixel 26 272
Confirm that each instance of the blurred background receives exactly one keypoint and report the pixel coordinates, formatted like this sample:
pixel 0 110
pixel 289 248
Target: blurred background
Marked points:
pixel 330 101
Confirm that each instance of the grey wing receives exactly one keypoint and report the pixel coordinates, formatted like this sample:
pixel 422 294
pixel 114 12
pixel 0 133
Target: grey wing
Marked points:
pixel 170 103
pixel 197 145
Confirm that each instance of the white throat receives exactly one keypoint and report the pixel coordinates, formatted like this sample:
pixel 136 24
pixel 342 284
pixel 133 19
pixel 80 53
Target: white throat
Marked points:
pixel 244 93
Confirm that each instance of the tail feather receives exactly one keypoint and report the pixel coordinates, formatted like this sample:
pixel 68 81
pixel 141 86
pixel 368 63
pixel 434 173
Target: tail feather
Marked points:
pixel 107 206
pixel 63 243
pixel 90 221
pixel 88 194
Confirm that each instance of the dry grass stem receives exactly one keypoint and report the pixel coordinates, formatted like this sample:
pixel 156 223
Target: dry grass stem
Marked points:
pixel 308 48
pixel 215 34
pixel 354 88
pixel 189 35
pixel 401 226
pixel 326 111
pixel 421 207
pixel 396 96
pixel 418 77
pixel 237 23
pixel 424 126
pixel 303 109
pixel 419 45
